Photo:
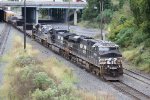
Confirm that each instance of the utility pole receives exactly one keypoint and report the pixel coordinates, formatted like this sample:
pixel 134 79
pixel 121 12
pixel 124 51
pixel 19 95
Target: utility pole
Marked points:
pixel 24 24
pixel 101 20
pixel 68 16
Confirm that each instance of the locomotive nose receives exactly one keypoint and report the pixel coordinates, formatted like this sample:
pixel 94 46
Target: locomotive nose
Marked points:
pixel 114 71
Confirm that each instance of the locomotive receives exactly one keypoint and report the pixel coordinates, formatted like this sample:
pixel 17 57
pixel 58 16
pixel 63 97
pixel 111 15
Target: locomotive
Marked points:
pixel 100 57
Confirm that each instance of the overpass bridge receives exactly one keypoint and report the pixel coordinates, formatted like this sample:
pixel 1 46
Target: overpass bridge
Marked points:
pixel 56 10
pixel 44 4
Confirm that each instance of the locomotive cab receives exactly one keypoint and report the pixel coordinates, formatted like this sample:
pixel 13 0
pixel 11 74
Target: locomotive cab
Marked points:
pixel 110 59
pixel 113 62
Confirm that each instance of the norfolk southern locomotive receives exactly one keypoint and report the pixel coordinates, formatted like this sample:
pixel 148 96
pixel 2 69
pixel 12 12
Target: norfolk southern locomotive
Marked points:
pixel 97 56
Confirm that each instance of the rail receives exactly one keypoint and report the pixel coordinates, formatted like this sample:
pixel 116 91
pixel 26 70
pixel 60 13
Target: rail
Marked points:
pixel 130 91
pixel 3 38
pixel 137 76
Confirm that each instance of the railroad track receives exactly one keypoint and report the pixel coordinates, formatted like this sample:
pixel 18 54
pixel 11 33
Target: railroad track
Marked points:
pixel 137 76
pixel 135 94
pixel 4 36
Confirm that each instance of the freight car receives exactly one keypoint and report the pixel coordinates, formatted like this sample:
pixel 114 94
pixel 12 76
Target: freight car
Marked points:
pixel 6 15
pixel 102 58
pixel 10 17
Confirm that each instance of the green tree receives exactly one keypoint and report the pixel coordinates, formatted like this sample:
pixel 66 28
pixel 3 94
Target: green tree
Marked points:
pixel 121 3
pixel 93 9
pixel 135 8
pixel 141 13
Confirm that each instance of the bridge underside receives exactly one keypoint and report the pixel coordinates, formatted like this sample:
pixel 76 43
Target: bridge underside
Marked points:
pixel 36 15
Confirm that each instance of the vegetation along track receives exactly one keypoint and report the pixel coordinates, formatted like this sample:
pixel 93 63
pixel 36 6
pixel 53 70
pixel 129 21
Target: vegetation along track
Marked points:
pixel 137 95
pixel 137 76
pixel 4 36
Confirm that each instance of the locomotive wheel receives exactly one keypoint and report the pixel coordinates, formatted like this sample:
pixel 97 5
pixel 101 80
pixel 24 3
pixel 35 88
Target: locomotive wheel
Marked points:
pixel 96 71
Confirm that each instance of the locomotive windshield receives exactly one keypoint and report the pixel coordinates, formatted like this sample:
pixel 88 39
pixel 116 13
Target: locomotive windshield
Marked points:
pixel 110 52
pixel 104 49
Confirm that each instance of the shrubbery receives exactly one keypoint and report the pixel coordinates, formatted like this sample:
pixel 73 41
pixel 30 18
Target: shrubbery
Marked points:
pixel 27 77
pixel 131 32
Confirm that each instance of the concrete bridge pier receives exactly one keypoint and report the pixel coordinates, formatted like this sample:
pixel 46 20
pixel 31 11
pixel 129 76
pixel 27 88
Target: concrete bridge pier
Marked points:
pixel 50 15
pixel 31 15
pixel 37 15
pixel 67 15
pixel 75 17
pixel 66 19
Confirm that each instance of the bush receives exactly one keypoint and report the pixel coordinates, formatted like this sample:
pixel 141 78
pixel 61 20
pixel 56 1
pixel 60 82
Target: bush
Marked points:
pixel 24 61
pixel 120 24
pixel 107 16
pixel 43 81
pixel 130 29
pixel 145 61
pixel 147 43
pixel 28 78
pixel 138 59
pixel 124 37
pixel 130 54
pixel 138 37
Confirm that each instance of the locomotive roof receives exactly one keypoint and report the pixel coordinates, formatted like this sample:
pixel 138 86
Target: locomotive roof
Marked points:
pixel 60 30
pixel 8 11
pixel 79 37
pixel 85 37
pixel 65 34
pixel 103 43
pixel 74 38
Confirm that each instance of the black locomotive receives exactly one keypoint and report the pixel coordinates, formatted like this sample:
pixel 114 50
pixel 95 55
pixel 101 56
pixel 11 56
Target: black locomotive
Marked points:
pixel 97 56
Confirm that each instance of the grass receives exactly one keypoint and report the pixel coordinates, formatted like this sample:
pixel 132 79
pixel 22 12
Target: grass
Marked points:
pixel 140 58
pixel 20 62
pixel 28 78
